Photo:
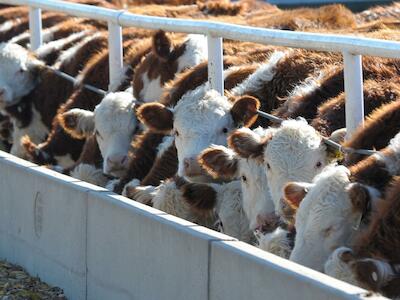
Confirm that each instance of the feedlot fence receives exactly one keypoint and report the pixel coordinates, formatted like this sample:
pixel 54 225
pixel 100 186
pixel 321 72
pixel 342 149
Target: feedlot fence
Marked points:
pixel 98 245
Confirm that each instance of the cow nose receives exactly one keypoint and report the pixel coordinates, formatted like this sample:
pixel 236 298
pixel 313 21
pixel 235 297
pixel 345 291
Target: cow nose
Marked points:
pixel 117 161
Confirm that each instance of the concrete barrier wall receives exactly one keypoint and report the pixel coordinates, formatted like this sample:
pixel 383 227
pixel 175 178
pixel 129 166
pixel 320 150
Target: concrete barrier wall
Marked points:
pixel 98 245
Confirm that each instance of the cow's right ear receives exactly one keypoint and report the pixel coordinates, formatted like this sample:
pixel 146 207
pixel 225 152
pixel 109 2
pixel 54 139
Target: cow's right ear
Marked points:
pixel 359 196
pixel 246 143
pixel 78 123
pixel 156 117
pixel 219 161
pixel 294 193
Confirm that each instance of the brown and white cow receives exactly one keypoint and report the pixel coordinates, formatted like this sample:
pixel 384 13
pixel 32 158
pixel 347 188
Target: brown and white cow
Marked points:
pixel 337 202
pixel 373 261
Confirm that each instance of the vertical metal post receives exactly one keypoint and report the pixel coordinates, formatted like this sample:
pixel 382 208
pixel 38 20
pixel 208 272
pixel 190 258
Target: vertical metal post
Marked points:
pixel 35 27
pixel 353 85
pixel 115 54
pixel 215 64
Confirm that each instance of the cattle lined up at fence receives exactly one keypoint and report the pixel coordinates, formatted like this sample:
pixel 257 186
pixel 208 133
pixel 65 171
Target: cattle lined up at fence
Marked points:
pixel 163 137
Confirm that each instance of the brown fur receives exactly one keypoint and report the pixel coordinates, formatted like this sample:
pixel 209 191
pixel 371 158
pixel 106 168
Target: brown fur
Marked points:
pixel 164 167
pixel 244 111
pixel 200 196
pixel 331 84
pixel 381 239
pixel 215 162
pixel 359 197
pixel 12 13
pixel 331 114
pixel 294 194
pixel 380 126
pixel 245 145
pixel 156 117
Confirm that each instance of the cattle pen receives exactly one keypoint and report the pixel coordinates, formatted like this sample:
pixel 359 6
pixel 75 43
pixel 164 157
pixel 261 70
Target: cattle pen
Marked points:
pixel 99 245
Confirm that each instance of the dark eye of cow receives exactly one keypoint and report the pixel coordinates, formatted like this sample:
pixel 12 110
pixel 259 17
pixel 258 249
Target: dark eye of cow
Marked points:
pixel 319 164
pixel 176 133
pixel 98 134
pixel 268 166
pixel 225 130
pixel 244 178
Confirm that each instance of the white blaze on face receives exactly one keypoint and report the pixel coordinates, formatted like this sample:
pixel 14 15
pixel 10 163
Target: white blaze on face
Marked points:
pixel 16 79
pixel 200 120
pixel 324 219
pixel 152 89
pixel 115 125
pixel 295 153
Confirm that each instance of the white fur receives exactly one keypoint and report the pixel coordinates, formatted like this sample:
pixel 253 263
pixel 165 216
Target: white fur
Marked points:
pixel 392 160
pixel 36 130
pixel 199 119
pixel 7 25
pixel 16 79
pixel 292 155
pixel 142 194
pixel 59 44
pixel 264 73
pixel 196 51
pixel 47 35
pixel 89 174
pixel 166 143
pixel 275 242
pixel 152 89
pixel 65 161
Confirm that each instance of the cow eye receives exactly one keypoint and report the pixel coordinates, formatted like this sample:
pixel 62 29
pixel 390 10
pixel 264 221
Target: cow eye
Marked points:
pixel 244 178
pixel 225 130
pixel 268 166
pixel 318 165
pixel 176 132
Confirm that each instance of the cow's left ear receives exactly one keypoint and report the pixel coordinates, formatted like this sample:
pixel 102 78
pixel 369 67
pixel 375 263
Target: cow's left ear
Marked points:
pixel 246 143
pixel 294 193
pixel 244 111
pixel 79 123
pixel 359 196
pixel 35 66
pixel 156 116
pixel 161 45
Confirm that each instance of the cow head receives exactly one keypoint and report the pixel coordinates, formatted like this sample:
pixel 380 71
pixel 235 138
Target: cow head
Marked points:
pixel 19 73
pixel 292 152
pixel 164 61
pixel 113 122
pixel 199 120
pixel 328 211
pixel 220 161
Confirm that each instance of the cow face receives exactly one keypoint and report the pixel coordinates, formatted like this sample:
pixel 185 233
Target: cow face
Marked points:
pixel 332 208
pixel 199 120
pixel 114 124
pixel 220 161
pixel 164 61
pixel 19 73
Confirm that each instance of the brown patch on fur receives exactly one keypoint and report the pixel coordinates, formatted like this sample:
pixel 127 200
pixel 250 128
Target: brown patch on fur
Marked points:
pixel 244 111
pixel 69 122
pixel 331 114
pixel 245 145
pixel 294 194
pixel 217 163
pixel 379 127
pixel 165 166
pixel 199 196
pixel 359 197
pixel 161 45
pixel 156 117
pixel 220 8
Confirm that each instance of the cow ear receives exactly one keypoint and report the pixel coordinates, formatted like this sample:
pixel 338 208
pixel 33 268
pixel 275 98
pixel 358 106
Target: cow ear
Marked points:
pixel 35 66
pixel 359 197
pixel 244 111
pixel 199 196
pixel 161 45
pixel 79 123
pixel 294 193
pixel 246 143
pixel 156 117
pixel 219 161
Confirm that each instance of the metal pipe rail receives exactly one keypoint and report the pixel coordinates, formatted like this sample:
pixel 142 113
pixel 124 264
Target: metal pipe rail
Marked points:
pixel 351 47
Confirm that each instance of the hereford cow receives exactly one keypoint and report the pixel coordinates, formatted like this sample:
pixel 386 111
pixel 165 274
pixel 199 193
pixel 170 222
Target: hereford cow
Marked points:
pixel 338 200
pixel 373 261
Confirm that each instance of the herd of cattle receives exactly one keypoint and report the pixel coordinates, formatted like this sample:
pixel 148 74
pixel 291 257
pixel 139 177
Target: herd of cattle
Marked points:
pixel 164 138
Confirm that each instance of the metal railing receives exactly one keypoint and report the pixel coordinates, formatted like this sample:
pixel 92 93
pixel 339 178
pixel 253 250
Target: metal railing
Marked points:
pixel 351 47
